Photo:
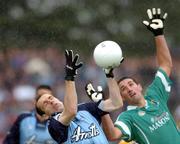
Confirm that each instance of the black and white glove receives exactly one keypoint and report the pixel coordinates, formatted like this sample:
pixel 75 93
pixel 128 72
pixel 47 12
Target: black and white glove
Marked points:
pixel 71 66
pixel 156 21
pixel 94 95
pixel 109 71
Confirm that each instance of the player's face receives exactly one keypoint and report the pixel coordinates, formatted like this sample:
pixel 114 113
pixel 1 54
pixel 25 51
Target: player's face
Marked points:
pixel 130 91
pixel 49 104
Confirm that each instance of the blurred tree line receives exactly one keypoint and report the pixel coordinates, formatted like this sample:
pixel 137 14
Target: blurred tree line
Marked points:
pixel 82 24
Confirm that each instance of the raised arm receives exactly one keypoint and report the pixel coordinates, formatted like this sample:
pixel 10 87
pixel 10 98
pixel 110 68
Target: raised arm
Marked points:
pixel 70 98
pixel 112 103
pixel 114 100
pixel 112 133
pixel 163 54
pixel 156 26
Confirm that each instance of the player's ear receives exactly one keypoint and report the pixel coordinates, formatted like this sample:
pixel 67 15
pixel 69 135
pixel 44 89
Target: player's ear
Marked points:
pixel 140 87
pixel 42 117
pixel 45 116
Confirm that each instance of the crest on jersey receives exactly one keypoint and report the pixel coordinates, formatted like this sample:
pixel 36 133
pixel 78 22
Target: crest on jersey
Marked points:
pixel 141 113
pixel 154 102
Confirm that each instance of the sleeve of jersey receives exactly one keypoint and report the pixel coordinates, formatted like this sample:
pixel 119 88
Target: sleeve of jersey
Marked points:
pixel 161 86
pixel 93 109
pixel 58 131
pixel 124 125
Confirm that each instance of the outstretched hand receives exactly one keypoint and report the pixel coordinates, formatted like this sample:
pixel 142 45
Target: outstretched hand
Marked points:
pixel 94 95
pixel 71 65
pixel 156 21
pixel 109 71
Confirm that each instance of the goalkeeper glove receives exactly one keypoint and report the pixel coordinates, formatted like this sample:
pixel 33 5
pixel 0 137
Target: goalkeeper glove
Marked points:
pixel 155 23
pixel 71 66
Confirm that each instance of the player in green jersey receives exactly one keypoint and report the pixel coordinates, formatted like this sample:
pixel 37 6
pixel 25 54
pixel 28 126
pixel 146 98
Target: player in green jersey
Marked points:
pixel 147 119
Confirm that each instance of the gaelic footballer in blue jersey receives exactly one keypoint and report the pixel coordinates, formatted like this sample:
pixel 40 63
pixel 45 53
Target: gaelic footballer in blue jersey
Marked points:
pixel 27 129
pixel 84 128
pixel 75 123
pixel 30 127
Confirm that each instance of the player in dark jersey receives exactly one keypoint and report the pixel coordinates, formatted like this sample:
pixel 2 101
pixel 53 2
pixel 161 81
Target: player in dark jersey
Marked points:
pixel 72 123
pixel 30 127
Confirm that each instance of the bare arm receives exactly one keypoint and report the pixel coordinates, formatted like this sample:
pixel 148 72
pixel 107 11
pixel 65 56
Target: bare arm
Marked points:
pixel 70 98
pixel 70 103
pixel 114 101
pixel 163 54
pixel 112 133
pixel 156 26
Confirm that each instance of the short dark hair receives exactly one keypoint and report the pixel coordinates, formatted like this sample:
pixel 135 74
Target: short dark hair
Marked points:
pixel 127 77
pixel 43 87
pixel 38 110
pixel 47 87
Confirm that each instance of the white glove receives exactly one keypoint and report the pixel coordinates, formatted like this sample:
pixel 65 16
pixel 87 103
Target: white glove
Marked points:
pixel 155 23
pixel 94 95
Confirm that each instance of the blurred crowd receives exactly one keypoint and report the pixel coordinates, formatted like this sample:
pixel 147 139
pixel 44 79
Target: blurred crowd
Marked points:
pixel 21 70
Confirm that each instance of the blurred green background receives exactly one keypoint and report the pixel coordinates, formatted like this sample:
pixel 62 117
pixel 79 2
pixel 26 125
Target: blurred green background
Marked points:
pixel 82 24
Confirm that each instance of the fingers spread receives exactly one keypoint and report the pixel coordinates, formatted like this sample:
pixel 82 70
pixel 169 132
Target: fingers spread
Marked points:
pixel 146 23
pixel 149 14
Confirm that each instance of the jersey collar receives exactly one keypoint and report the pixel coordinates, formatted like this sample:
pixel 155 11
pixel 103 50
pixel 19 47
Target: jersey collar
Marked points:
pixel 131 107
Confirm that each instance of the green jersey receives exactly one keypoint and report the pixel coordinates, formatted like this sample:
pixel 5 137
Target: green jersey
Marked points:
pixel 152 124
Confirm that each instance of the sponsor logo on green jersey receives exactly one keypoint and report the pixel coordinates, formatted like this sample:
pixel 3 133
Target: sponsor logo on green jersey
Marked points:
pixel 159 121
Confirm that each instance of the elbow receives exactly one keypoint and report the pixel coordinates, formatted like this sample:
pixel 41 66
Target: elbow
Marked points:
pixel 116 107
pixel 71 113
pixel 118 104
pixel 70 116
pixel 119 107
pixel 170 68
pixel 171 65
pixel 167 68
pixel 111 138
pixel 121 104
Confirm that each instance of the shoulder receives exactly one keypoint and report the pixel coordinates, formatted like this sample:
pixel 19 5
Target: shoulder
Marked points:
pixel 86 106
pixel 24 115
pixel 58 131
pixel 93 109
pixel 161 80
pixel 128 115
pixel 162 77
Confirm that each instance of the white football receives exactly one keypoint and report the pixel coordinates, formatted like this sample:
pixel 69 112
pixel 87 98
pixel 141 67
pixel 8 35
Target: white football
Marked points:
pixel 108 54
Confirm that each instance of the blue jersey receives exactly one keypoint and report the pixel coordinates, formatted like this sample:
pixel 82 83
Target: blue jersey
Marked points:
pixel 27 130
pixel 84 128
